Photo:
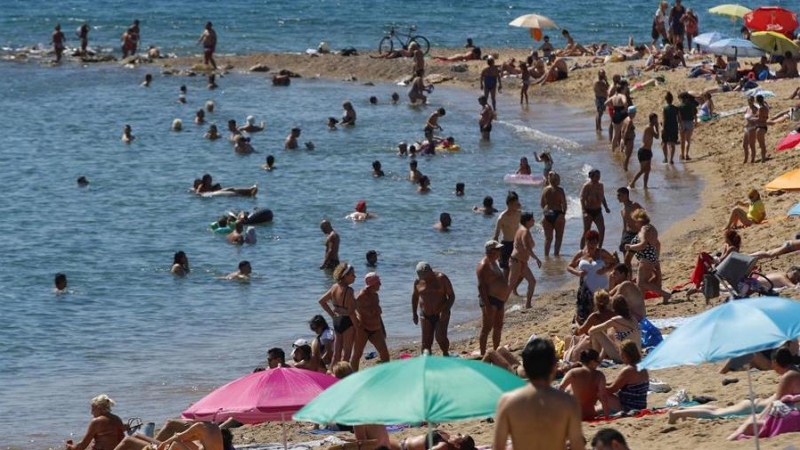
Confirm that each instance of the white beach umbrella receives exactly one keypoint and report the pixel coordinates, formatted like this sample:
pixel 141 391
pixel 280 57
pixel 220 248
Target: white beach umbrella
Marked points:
pixel 533 21
pixel 706 39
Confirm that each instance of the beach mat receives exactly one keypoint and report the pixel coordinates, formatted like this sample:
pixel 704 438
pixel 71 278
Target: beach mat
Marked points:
pixel 640 414
pixel 790 181
pixel 731 112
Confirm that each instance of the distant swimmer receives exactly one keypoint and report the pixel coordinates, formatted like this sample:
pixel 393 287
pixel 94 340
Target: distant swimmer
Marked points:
pixel 251 126
pixel 554 206
pixel 212 82
pixel 180 264
pixel 177 125
pixel 377 171
pixel 82 181
pixel 424 185
pixel 200 117
pixel 242 145
pixel 60 283
pixel 332 121
pixel 127 137
pixel 444 222
pixel 593 201
pixel 395 98
pixel 236 237
pixel 361 214
pixel 210 106
pixel 487 209
pixel 485 118
pixel 459 189
pixel 402 149
pixel 212 134
pixel 491 82
pixel 349 117
pixel 416 90
pixel 269 163
pixel 234 130
pixel 331 258
pixel 209 41
pixel 557 72
pixel 373 100
pixel 148 79
pixel 182 95
pixel 414 174
pixel 242 273
pixel 372 258
pixel 432 299
pixel 291 140
pixel 58 40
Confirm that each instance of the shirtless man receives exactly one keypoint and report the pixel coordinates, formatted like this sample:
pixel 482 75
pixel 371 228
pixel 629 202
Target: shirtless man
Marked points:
pixel 491 82
pixel 370 329
pixel 493 292
pixel 416 89
pixel 251 126
pixel 291 140
pixel 413 173
pixel 557 72
pixel 507 224
pixel 588 384
pixel 185 434
pixel 331 258
pixel 621 285
pixel 209 41
pixel 127 134
pixel 593 200
pixel 236 237
pixel 600 97
pixel 433 124
pixel 434 296
pixel 242 273
pixel 538 416
pixel 523 251
pixel 554 206
pixel 419 59
pixel 58 38
pixel 630 228
pixel 486 117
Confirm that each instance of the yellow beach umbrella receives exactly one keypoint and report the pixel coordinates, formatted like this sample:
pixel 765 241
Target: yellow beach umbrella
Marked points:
pixel 731 10
pixel 774 43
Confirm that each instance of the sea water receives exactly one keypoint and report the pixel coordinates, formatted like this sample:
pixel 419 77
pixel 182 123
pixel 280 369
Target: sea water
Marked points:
pixel 156 343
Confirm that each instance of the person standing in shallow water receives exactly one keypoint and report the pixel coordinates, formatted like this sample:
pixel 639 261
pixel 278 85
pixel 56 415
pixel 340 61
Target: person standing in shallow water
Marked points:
pixel 493 292
pixel 58 39
pixel 593 201
pixel 331 258
pixel 434 296
pixel 554 207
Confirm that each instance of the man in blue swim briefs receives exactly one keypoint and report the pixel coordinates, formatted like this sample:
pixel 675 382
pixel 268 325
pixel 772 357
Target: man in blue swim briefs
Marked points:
pixel 491 82
pixel 434 296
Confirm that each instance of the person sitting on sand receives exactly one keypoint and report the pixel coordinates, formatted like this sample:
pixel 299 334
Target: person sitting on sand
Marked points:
pixel 788 67
pixel 487 209
pixel 473 54
pixel 182 434
pixel 628 392
pixel 587 384
pixel 349 117
pixel 212 134
pixel 580 339
pixel 241 145
pixel 291 140
pixel 625 329
pixel 441 441
pixel 755 214
pixel 787 279
pixel 180 264
pixel 621 285
pixel 242 273
pixel 251 126
pixel 301 356
pixel 558 71
pixel 322 345
pixel 572 48
pixel 127 137
pixel 360 214
pixel 106 430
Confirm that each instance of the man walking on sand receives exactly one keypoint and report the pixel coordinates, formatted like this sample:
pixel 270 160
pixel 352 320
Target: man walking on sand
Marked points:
pixel 433 295
pixel 538 416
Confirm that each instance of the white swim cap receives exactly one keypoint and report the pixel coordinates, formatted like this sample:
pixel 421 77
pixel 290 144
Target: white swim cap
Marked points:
pixel 251 120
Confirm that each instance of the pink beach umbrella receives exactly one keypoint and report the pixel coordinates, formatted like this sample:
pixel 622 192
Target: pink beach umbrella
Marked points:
pixel 791 140
pixel 272 395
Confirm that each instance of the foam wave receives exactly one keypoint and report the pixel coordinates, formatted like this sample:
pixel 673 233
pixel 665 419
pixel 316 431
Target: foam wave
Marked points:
pixel 544 138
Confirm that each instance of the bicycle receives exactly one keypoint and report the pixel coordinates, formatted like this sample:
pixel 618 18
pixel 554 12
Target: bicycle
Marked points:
pixel 387 42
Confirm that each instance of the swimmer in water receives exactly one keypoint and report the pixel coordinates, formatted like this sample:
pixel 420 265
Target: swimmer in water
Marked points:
pixel 395 98
pixel 210 106
pixel 243 273
pixel 372 258
pixel 547 160
pixel 212 134
pixel 360 214
pixel 127 137
pixel 182 95
pixel 524 168
pixel 376 169
pixel 433 124
pixel 234 130
pixel 349 117
pixel 270 163
pixel 61 283
pixel 402 149
pixel 444 222
pixel 487 209
pixel 291 140
pixel 459 189
pixel 242 145
pixel 251 126
pixel 424 185
pixel 82 181
pixel 148 79
pixel 414 175
pixel 177 125
pixel 180 264
pixel 212 82
pixel 200 117
pixel 236 237
pixel 373 100
pixel 332 121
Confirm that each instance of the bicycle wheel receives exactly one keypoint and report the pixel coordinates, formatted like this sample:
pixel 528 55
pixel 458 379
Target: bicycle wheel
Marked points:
pixel 423 43
pixel 386 45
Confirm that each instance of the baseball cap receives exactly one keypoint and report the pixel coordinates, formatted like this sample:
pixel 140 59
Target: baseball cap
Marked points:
pixel 491 245
pixel 300 343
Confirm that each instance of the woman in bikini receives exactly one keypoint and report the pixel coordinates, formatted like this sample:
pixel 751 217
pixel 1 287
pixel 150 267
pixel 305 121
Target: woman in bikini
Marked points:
pixel 440 440
pixel 518 261
pixel 625 328
pixel 554 207
pixel 525 74
pixel 592 264
pixel 105 429
pixel 343 313
pixel 646 248
pixel 368 310
pixel 629 391
pixel 761 125
pixel 749 138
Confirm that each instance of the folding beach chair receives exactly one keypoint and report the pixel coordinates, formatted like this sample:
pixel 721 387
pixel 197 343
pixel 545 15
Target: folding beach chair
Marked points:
pixel 737 273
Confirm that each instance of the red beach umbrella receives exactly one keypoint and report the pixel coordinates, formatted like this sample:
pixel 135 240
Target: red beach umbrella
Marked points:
pixel 791 140
pixel 772 18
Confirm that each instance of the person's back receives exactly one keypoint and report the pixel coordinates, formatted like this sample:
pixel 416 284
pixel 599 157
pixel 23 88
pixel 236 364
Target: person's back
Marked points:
pixel 538 416
pixel 109 431
pixel 585 387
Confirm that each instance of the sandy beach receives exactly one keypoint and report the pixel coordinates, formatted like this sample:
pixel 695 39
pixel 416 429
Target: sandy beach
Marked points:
pixel 717 159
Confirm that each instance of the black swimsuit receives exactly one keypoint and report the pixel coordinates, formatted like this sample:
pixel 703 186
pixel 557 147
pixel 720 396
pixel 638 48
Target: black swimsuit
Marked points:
pixel 620 113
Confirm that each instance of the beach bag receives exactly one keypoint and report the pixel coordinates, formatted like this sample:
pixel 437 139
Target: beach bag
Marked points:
pixel 651 335
pixel 710 286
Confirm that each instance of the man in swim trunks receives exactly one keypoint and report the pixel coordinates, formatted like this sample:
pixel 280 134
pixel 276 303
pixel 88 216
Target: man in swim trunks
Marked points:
pixel 430 126
pixel 554 206
pixel 600 97
pixel 419 59
pixel 58 38
pixel 434 296
pixel 557 72
pixel 60 283
pixel 486 117
pixel 621 285
pixel 209 41
pixel 507 224
pixel 538 416
pixel 493 292
pixel 243 272
pixel 587 384
pixel 331 258
pixel 630 228
pixel 491 82
pixel 593 200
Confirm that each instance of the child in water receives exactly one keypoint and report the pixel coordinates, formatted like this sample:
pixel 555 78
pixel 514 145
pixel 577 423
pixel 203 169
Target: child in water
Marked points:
pixel 547 160
pixel 524 167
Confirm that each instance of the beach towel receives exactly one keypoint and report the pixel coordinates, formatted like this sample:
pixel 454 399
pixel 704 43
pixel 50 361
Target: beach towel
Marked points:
pixel 651 336
pixel 776 425
pixel 631 415
pixel 670 322
pixel 330 440
pixel 732 112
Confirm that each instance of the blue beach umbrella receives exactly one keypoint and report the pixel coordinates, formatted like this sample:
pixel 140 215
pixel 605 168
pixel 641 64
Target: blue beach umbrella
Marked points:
pixel 735 328
pixel 735 47
pixel 706 39
pixel 794 210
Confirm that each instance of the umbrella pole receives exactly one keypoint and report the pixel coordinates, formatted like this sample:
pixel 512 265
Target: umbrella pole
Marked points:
pixel 429 435
pixel 283 431
pixel 752 406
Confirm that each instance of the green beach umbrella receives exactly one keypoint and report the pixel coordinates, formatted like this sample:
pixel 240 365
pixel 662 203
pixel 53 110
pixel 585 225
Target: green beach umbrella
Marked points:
pixel 431 389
